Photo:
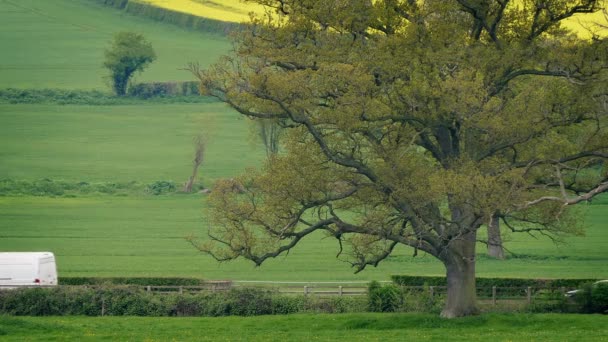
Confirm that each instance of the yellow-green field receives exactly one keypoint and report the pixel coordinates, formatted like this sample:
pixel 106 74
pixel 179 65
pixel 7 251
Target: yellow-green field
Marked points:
pixel 238 11
pixel 224 10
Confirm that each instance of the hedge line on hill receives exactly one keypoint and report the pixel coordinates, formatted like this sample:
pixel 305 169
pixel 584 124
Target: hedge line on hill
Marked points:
pixel 56 188
pixel 184 20
pixel 489 282
pixel 164 89
pixel 157 92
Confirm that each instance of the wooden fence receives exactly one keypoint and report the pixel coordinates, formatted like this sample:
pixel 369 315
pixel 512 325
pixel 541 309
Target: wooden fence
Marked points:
pixel 485 295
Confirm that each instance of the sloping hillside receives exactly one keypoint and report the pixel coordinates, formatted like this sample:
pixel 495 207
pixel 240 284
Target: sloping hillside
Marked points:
pixel 60 44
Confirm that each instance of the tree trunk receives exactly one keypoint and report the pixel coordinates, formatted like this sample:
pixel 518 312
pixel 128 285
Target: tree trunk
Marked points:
pixel 495 249
pixel 460 270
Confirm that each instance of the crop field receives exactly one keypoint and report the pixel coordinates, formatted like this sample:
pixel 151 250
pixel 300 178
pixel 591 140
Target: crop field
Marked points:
pixel 346 327
pixel 224 10
pixel 238 11
pixel 59 44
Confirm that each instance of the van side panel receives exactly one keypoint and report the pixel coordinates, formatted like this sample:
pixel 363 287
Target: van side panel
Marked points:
pixel 18 272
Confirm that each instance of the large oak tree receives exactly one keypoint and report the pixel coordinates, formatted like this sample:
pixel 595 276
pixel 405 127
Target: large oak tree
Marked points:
pixel 413 123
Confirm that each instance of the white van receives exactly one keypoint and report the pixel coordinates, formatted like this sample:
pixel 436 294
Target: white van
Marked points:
pixel 27 269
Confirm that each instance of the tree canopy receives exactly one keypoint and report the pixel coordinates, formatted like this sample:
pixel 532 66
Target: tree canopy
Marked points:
pixel 128 53
pixel 413 122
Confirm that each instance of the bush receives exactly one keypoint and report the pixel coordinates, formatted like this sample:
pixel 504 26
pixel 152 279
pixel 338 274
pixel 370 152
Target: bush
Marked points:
pixel 421 300
pixel 549 301
pixel 161 187
pixel 382 298
pixel 593 298
pixel 284 305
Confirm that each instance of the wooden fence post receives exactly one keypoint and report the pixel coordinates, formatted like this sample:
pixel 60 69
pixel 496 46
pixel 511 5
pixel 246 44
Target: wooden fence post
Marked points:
pixel 340 290
pixel 148 288
pixel 529 294
pixel 432 291
pixel 494 295
pixel 305 290
pixel 181 289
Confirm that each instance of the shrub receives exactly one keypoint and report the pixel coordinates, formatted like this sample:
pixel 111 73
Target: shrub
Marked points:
pixel 283 305
pixel 249 302
pixel 161 187
pixel 593 298
pixel 382 298
pixel 421 300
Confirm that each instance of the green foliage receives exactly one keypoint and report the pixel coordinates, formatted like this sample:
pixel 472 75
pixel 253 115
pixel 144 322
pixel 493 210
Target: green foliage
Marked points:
pixel 413 123
pixel 549 301
pixel 382 298
pixel 161 187
pixel 593 298
pixel 421 300
pixel 51 188
pixel 163 89
pixel 483 282
pixel 131 300
pixel 128 53
pixel 285 305
pixel 181 92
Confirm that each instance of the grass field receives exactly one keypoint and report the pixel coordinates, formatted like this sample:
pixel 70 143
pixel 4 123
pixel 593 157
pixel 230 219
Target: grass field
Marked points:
pixel 346 327
pixel 146 142
pixel 144 236
pixel 60 44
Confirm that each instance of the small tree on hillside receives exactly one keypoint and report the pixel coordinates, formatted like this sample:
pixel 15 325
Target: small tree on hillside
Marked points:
pixel 128 53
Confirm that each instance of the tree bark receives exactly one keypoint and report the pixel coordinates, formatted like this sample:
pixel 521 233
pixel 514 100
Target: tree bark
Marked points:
pixel 460 270
pixel 495 249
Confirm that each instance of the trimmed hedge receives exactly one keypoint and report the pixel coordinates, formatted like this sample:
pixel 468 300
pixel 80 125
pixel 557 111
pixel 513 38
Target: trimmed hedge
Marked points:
pixel 404 280
pixel 133 301
pixel 184 20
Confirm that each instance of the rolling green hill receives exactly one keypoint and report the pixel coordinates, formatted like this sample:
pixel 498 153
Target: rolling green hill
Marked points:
pixel 60 44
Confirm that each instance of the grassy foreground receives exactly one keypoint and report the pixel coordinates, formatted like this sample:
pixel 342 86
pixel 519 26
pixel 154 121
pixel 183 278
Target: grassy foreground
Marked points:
pixel 347 327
